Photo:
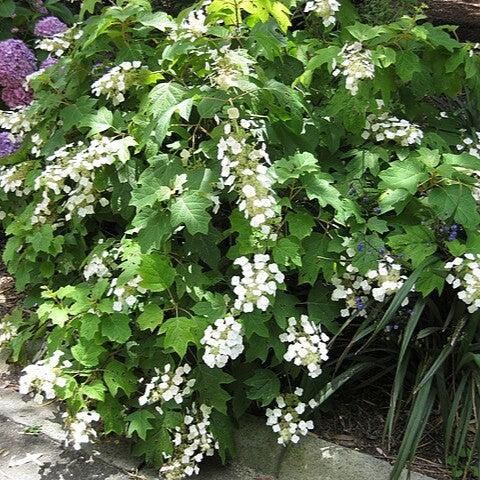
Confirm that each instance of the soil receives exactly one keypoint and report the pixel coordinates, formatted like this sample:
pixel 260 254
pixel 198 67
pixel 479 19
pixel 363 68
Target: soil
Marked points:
pixel 358 421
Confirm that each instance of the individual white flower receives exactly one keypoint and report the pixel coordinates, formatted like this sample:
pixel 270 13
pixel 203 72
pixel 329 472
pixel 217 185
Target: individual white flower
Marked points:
pixel 7 332
pixel 223 341
pixel 285 417
pixel 79 430
pixel 464 276
pixel 116 81
pixel 169 385
pixel 257 284
pixel 42 377
pixel 307 345
pixel 192 441
pixel 96 267
pixel 355 64
pixel 385 127
pixel 192 27
pixel 326 9
pixel 58 44
pixel 37 143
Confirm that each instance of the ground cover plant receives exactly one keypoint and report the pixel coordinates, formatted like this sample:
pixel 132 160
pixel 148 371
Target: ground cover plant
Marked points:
pixel 223 212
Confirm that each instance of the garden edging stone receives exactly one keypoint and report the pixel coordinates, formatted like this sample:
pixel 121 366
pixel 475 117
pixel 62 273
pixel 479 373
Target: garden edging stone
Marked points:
pixel 258 452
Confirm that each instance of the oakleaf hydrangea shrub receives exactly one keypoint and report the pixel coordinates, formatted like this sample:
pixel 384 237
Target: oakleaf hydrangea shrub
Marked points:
pixel 199 207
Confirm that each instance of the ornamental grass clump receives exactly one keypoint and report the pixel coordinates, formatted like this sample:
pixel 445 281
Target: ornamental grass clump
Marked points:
pixel 220 214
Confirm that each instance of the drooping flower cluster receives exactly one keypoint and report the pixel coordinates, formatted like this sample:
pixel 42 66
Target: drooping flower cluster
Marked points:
pixel 17 96
pixel 245 170
pixel 258 282
pixel 116 81
pixel 230 67
pixel 326 9
pixel 8 145
pixel 355 64
pixel 169 385
pixel 356 290
pixel 192 27
pixel 465 276
pixel 223 341
pixel 49 27
pixel 7 332
pixel 42 377
pixel 192 442
pixel 470 145
pixel 58 44
pixel 17 122
pixel 79 429
pixel 96 267
pixel 307 345
pixel 285 417
pixel 127 295
pixel 71 171
pixel 12 179
pixel 385 127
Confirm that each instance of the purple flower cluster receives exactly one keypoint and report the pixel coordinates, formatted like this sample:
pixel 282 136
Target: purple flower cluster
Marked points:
pixel 8 144
pixel 49 27
pixel 48 62
pixel 16 62
pixel 40 7
pixel 16 96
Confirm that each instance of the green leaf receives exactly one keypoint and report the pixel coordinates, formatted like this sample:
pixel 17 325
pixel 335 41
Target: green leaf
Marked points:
pixel 287 252
pixel 89 324
pixel 111 411
pixel 179 333
pixel 150 318
pixel 159 20
pixel 294 166
pixel 264 386
pixel 190 209
pixel 118 376
pixel 95 390
pixel 157 273
pixel 300 224
pixel 417 243
pixel 116 327
pixel 455 201
pixel 209 383
pixel 88 354
pixel 318 187
pixel 139 422
pixel 7 8
pixel 255 323
pixel 42 238
pixel 407 64
pixel 100 121
pixel 407 174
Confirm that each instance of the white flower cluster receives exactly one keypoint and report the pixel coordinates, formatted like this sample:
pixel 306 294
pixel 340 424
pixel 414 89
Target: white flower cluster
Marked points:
pixel 386 127
pixel 126 295
pixel 192 27
pixel 78 427
pixel 223 341
pixel 306 345
pixel 230 67
pixel 192 442
pixel 7 332
pixel 257 283
pixel 244 168
pixel 355 65
pixel 42 377
pixel 285 417
pixel 356 290
pixel 60 43
pixel 116 81
pixel 169 385
pixel 12 178
pixel 465 276
pixel 325 9
pixel 96 267
pixel 75 164
pixel 37 142
pixel 17 122
pixel 470 145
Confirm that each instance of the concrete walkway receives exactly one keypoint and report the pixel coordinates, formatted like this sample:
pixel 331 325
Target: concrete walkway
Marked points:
pixel 26 456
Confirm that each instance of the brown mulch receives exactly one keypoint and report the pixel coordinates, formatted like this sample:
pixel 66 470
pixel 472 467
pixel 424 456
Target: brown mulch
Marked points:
pixel 358 422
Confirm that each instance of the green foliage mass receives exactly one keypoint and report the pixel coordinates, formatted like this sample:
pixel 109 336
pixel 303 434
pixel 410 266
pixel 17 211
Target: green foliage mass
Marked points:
pixel 168 236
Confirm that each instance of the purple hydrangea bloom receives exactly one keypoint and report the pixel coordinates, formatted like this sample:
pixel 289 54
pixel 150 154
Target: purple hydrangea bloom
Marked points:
pixel 16 96
pixel 48 62
pixel 40 7
pixel 16 62
pixel 49 26
pixel 8 144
